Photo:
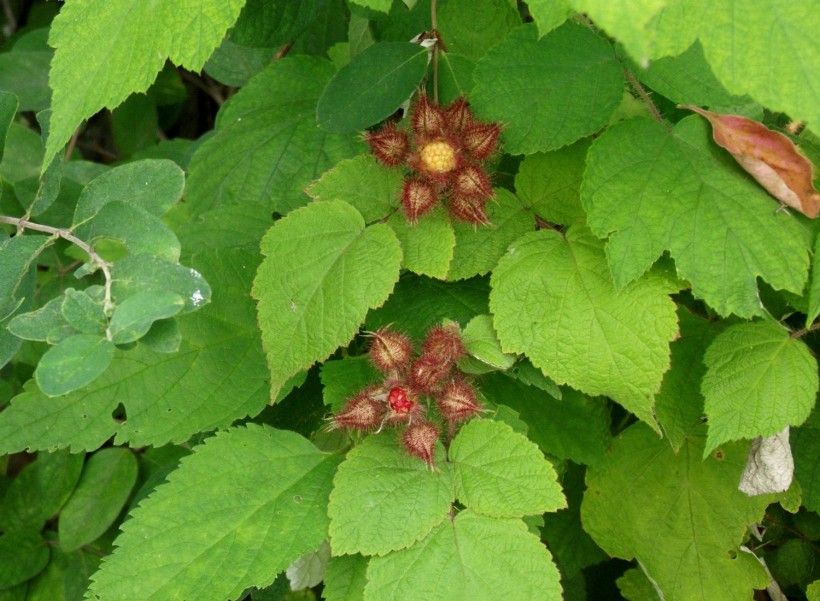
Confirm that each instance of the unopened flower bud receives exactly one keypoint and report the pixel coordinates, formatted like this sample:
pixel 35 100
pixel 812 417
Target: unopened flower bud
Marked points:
pixel 428 373
pixel 390 145
pixel 457 401
pixel 390 351
pixel 444 344
pixel 420 439
pixel 361 412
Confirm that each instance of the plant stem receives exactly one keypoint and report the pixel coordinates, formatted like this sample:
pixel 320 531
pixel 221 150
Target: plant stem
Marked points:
pixel 24 224
pixel 644 96
pixel 434 25
pixel 803 331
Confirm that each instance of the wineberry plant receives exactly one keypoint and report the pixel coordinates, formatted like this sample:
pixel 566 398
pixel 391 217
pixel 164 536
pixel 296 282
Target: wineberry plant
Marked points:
pixel 409 300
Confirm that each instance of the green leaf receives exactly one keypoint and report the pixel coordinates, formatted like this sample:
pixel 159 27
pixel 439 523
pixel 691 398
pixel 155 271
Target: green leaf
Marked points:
pixel 382 6
pixel 266 147
pixel 478 249
pixel 681 517
pixel 548 14
pixel 639 191
pixel 73 363
pixel 145 274
pixel 635 586
pixel 384 499
pixel 688 79
pixel 8 109
pixel 82 312
pixel 548 92
pixel 371 188
pixel 813 591
pixel 573 427
pixel 481 342
pixel 679 403
pixel 814 286
pixel 104 487
pixel 39 491
pixel 371 87
pixel 460 559
pixel 154 185
pixel 489 22
pixel 134 316
pixel 428 245
pixel 23 555
pixel 24 71
pixel 500 473
pixel 550 183
pixel 323 270
pixel 758 380
pixel 36 325
pixel 805 445
pixel 345 578
pixel 183 541
pixel 417 303
pixel 234 64
pixel 342 378
pixel 270 24
pixel 553 300
pixel 130 43
pixel 17 255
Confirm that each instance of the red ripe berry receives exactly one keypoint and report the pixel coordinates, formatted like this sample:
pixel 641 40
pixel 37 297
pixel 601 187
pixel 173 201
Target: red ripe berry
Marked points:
pixel 458 114
pixel 417 198
pixel 362 412
pixel 443 344
pixel 419 440
pixel 471 210
pixel 427 119
pixel 399 400
pixel 481 139
pixel 390 351
pixel 472 182
pixel 390 145
pixel 428 373
pixel 457 401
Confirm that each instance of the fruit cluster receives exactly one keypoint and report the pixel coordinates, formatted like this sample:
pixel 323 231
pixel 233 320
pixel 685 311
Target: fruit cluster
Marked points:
pixel 445 152
pixel 408 380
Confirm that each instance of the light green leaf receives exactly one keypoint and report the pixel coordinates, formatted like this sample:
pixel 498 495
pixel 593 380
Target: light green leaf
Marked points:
pixel 17 256
pixel 681 517
pixel 418 303
pixel 39 491
pixel 548 92
pixel 129 44
pixel 813 591
pixel 104 487
pixel 23 555
pixel 371 87
pixel 362 182
pixel 266 147
pixel 478 249
pixel 145 274
pixel 688 79
pixel 460 561
pixel 134 316
pixel 548 14
pixel 384 499
pixel 635 586
pixel 553 300
pixel 758 380
pixel 36 325
pixel 428 245
pixel 488 23
pixel 345 578
pixel 342 378
pixel 481 342
pixel 154 185
pixel 323 270
pixel 500 473
pixel 550 183
pixel 814 286
pixel 82 312
pixel 73 363
pixel 382 6
pixel 573 427
pixel 650 190
pixel 309 570
pixel 526 373
pixel 679 403
pixel 182 541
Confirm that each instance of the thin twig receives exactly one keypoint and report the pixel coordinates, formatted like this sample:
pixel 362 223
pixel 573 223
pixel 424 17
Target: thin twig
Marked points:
pixel 72 143
pixel 65 234
pixel 644 96
pixel 434 26
pixel 198 83
pixel 283 50
pixel 803 331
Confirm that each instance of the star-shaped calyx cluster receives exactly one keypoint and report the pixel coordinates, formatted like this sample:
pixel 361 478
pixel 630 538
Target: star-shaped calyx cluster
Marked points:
pixel 445 152
pixel 410 382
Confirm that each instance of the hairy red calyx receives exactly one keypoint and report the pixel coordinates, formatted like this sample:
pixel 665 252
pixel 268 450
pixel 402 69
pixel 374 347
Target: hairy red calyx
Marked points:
pixel 457 401
pixel 443 343
pixel 390 351
pixel 361 412
pixel 444 150
pixel 420 439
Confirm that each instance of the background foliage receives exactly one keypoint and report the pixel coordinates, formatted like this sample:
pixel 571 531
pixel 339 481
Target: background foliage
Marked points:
pixel 193 236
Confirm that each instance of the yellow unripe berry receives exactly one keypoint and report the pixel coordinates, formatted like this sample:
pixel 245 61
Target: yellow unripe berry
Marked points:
pixel 438 157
